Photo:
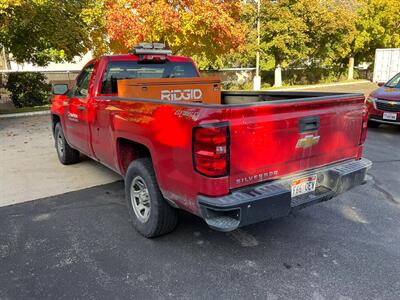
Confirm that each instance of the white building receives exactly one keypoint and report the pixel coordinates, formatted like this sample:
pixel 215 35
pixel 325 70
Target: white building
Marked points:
pixel 387 64
pixel 76 65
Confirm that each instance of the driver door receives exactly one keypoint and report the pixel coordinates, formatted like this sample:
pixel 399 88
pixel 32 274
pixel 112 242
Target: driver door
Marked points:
pixel 76 112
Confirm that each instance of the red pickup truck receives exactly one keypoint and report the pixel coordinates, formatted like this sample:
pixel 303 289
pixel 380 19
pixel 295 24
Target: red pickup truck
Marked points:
pixel 253 157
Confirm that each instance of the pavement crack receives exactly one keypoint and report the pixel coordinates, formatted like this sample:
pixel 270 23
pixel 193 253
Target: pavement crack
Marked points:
pixel 378 186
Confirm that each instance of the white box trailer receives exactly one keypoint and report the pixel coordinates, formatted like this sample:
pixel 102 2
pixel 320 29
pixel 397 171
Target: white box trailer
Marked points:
pixel 387 64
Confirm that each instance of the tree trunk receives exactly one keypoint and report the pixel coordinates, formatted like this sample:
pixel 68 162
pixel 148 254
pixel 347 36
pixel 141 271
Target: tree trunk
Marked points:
pixel 278 76
pixel 351 68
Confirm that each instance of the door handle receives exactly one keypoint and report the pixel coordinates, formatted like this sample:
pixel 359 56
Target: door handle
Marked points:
pixel 81 108
pixel 309 124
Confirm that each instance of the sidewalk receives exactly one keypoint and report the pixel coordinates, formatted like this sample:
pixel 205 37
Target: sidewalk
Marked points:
pixel 328 85
pixel 358 87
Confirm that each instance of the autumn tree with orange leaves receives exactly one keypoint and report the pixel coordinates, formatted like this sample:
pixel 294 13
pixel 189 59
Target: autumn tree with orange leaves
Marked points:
pixel 202 29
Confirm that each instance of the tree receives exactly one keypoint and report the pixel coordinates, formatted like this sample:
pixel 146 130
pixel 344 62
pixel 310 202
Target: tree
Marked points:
pixel 284 33
pixel 304 31
pixel 375 24
pixel 40 31
pixel 93 16
pixel 329 24
pixel 202 29
pixel 247 54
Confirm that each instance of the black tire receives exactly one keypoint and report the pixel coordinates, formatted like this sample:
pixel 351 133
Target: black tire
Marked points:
pixel 373 124
pixel 161 218
pixel 65 153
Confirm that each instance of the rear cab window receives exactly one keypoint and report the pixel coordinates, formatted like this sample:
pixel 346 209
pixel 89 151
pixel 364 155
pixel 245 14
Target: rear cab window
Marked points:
pixel 117 70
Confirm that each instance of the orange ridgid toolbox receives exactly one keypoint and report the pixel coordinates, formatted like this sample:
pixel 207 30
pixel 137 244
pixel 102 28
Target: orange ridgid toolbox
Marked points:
pixel 203 89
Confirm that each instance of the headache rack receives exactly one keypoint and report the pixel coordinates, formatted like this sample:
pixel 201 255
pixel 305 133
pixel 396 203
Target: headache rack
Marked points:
pixel 151 48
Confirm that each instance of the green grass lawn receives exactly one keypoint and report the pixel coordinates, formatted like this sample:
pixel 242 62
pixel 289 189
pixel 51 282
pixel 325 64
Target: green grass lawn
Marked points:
pixel 24 109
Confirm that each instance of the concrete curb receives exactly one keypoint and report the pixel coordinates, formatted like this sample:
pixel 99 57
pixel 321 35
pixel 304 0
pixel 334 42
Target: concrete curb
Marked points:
pixel 322 85
pixel 25 114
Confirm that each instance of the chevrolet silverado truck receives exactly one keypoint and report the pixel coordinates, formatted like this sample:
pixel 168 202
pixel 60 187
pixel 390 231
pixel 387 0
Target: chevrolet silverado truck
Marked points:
pixel 251 157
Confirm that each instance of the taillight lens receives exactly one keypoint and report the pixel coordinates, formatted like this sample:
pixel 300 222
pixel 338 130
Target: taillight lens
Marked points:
pixel 153 57
pixel 364 127
pixel 210 150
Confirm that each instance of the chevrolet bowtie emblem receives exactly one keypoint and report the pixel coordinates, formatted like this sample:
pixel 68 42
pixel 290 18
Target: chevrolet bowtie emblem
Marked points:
pixel 307 141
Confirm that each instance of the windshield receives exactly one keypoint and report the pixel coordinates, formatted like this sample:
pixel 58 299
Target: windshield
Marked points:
pixel 394 82
pixel 117 70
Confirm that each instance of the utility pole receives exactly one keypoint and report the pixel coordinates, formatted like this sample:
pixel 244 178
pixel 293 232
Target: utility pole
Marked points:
pixel 257 78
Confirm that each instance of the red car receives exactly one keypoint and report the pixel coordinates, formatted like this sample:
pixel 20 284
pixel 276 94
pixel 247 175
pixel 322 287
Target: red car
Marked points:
pixel 384 103
pixel 254 156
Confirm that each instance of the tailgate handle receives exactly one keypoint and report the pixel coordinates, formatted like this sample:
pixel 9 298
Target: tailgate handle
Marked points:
pixel 309 124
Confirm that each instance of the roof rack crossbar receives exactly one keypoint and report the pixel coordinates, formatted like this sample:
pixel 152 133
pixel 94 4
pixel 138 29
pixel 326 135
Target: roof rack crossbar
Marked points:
pixel 152 51
pixel 151 48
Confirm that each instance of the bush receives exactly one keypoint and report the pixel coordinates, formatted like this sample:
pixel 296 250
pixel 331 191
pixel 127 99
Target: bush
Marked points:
pixel 28 89
pixel 235 86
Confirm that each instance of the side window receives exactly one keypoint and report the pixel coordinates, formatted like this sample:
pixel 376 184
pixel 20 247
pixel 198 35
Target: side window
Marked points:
pixel 82 82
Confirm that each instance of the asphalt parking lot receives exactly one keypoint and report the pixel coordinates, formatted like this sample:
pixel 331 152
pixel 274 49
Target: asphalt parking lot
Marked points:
pixel 80 245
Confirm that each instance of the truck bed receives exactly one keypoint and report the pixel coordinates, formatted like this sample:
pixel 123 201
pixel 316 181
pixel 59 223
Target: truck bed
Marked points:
pixel 248 97
pixel 267 130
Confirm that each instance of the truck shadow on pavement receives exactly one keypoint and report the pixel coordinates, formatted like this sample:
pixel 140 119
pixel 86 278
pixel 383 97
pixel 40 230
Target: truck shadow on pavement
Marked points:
pixel 81 244
pixel 386 129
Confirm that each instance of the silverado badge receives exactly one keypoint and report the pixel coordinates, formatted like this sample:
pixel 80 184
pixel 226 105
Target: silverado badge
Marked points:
pixel 307 141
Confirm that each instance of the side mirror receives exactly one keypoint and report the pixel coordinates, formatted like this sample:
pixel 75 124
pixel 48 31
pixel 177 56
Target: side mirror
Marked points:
pixel 60 89
pixel 380 84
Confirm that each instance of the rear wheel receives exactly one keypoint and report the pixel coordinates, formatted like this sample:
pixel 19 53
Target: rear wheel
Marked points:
pixel 66 154
pixel 150 213
pixel 373 124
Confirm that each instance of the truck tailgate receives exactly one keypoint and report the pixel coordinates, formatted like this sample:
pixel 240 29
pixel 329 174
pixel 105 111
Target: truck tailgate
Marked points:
pixel 275 139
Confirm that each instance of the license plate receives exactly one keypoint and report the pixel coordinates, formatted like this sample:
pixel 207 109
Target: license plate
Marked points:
pixel 390 116
pixel 304 185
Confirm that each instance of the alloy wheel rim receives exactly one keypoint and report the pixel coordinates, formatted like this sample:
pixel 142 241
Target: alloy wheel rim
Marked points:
pixel 140 199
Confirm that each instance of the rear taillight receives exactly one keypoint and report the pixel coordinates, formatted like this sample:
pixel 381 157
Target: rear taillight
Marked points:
pixel 211 150
pixel 364 127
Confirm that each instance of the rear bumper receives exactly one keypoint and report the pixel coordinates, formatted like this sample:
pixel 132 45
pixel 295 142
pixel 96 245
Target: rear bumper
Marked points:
pixel 272 200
